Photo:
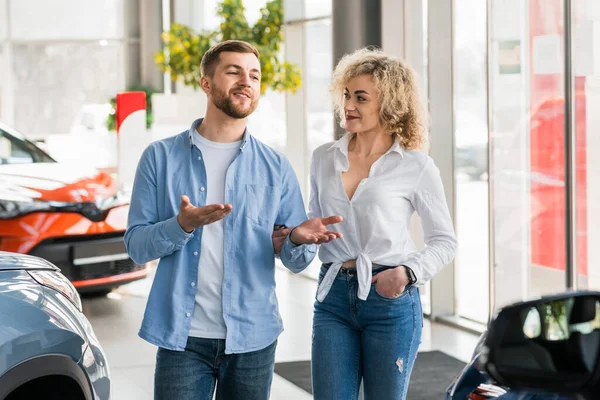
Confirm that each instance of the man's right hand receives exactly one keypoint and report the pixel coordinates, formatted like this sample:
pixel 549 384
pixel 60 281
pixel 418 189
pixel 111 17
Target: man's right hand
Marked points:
pixel 190 217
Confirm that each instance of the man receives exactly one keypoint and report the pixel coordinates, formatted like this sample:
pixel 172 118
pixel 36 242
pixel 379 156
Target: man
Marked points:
pixel 205 202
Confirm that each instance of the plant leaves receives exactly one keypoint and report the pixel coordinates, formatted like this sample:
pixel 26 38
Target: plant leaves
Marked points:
pixel 184 48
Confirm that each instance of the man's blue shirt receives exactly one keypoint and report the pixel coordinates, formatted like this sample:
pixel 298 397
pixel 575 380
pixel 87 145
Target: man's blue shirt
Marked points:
pixel 263 190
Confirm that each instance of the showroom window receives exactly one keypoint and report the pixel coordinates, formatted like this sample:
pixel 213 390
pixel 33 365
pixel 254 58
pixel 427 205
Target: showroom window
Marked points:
pixel 470 159
pixel 527 126
pixel 585 50
pixel 513 85
pixel 64 60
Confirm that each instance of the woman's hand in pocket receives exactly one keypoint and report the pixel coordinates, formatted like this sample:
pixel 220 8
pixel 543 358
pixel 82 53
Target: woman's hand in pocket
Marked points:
pixel 391 282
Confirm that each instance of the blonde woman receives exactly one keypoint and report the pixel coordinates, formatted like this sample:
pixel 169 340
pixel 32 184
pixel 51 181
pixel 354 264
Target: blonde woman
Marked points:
pixel 368 318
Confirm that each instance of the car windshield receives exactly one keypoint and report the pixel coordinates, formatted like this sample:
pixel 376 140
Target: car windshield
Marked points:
pixel 16 149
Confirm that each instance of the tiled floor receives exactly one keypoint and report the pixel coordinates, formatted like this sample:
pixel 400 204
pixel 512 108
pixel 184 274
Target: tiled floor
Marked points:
pixel 116 320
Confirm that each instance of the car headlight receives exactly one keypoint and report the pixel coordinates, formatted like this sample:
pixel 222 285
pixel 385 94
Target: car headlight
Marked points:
pixel 57 281
pixel 13 205
pixel 121 198
pixel 13 208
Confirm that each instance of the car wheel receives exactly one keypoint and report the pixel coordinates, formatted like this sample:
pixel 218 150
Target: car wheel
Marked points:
pixel 48 388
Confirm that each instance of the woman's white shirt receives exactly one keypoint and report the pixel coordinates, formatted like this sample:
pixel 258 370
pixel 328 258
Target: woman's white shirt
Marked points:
pixel 376 225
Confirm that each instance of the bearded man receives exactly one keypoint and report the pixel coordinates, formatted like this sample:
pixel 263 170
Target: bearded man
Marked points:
pixel 206 203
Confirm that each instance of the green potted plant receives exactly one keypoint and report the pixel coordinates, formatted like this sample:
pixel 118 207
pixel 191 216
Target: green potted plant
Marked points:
pixel 184 48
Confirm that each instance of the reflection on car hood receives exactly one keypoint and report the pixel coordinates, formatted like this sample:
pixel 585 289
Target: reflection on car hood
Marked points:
pixel 12 261
pixel 54 182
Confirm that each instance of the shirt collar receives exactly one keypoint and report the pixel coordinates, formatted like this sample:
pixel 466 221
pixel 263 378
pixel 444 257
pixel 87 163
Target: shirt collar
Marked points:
pixel 193 131
pixel 396 147
pixel 342 145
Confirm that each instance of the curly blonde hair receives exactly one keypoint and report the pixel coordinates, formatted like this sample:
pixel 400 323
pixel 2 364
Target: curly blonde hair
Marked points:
pixel 401 113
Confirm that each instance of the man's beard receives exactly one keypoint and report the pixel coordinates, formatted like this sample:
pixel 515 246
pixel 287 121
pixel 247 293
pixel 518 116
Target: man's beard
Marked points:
pixel 223 102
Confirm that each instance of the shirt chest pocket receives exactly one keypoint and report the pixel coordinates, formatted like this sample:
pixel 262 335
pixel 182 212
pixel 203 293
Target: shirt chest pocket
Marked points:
pixel 262 203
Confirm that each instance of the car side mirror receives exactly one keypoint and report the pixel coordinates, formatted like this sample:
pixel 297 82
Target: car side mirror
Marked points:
pixel 551 344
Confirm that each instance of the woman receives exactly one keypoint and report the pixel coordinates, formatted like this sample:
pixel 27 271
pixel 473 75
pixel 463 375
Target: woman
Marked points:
pixel 368 319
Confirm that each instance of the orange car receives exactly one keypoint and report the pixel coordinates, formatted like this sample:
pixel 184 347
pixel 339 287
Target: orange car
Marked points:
pixel 74 217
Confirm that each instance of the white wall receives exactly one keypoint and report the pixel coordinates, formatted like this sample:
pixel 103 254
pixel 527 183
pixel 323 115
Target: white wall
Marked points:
pixel 61 55
pixel 3 20
pixel 66 19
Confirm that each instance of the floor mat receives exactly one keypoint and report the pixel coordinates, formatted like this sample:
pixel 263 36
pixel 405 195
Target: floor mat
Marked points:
pixel 432 374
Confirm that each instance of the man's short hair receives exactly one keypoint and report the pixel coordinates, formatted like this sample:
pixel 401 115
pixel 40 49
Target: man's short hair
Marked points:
pixel 210 59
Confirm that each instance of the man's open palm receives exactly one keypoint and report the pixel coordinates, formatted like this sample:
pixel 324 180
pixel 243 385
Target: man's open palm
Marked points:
pixel 315 231
pixel 190 217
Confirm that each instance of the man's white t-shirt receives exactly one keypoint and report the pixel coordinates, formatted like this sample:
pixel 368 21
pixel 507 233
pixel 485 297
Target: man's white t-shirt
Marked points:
pixel 207 321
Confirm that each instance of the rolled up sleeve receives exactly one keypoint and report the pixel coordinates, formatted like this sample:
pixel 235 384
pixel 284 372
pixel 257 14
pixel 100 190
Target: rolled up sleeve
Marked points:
pixel 292 213
pixel 147 238
pixel 429 201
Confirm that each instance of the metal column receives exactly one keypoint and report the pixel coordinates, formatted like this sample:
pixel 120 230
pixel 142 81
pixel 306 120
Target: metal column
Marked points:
pixel 356 24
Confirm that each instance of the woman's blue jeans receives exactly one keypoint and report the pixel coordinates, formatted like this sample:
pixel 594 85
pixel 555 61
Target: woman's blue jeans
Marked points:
pixel 375 341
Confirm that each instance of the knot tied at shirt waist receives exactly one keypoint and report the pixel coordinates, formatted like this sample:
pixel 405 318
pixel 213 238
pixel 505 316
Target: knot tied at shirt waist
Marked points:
pixel 364 269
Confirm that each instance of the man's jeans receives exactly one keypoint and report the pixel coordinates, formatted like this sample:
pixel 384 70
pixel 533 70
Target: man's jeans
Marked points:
pixel 376 340
pixel 193 373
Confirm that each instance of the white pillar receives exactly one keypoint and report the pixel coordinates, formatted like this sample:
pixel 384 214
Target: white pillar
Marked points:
pixel 356 24
pixel 133 138
pixel 296 113
pixel 442 138
pixel 393 32
pixel 150 42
